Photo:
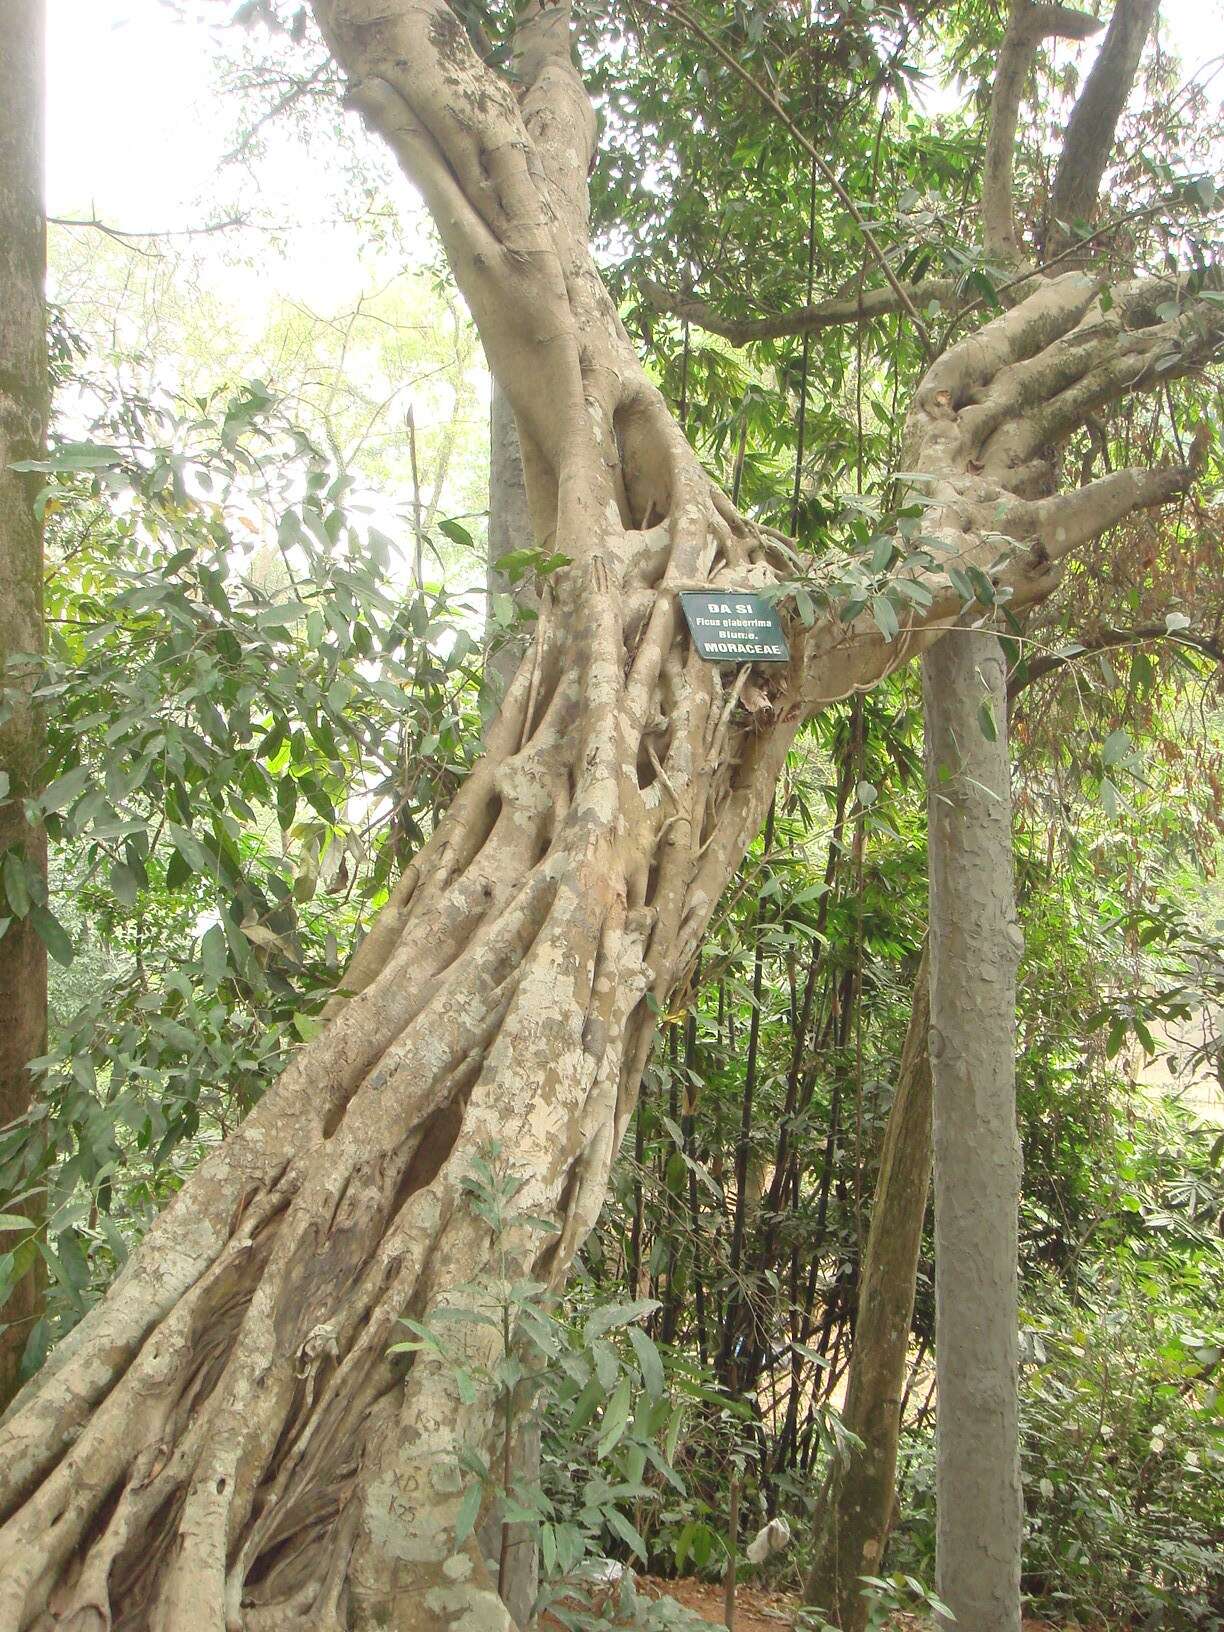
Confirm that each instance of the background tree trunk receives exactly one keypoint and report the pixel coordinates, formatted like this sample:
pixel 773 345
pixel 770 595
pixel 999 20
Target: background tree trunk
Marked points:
pixel 856 1503
pixel 974 949
pixel 23 422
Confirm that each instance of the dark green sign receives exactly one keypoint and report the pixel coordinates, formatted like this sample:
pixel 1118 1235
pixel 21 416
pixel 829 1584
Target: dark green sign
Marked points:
pixel 733 626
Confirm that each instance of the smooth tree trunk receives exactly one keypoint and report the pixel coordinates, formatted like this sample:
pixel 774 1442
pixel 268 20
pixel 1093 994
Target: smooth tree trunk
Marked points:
pixel 975 945
pixel 856 1502
pixel 23 424
pixel 223 1441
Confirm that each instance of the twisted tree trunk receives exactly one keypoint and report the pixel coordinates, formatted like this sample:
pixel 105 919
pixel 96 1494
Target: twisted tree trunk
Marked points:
pixel 23 426
pixel 223 1442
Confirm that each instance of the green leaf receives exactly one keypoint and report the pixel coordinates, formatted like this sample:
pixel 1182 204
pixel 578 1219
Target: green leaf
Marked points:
pixel 586 1405
pixel 615 1419
pixel 16 888
pixel 457 534
pixel 286 801
pixel 469 1512
pixel 214 954
pixel 277 617
pixel 178 870
pixel 607 1363
pixel 960 584
pixel 986 720
pixel 885 615
pixel 620 1526
pixel 65 790
pixel 37 1345
pixel 618 1314
pixel 649 1362
pixel 71 456
pixel 124 883
pixel 52 934
pixel 983 589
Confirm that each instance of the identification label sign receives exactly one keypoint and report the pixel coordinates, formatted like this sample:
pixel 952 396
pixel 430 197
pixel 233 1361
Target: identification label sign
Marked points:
pixel 733 626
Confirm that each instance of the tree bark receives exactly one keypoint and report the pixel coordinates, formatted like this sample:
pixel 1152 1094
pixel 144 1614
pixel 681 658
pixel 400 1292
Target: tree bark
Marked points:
pixel 23 424
pixel 509 530
pixel 856 1503
pixel 1094 121
pixel 510 1553
pixel 222 1442
pixel 1028 24
pixel 975 945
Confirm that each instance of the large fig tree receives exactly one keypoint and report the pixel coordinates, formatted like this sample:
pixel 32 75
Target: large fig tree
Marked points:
pixel 223 1442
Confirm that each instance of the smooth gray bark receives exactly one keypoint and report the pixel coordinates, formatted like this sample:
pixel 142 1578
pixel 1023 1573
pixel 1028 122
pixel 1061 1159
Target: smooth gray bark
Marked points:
pixel 974 949
pixel 510 1551
pixel 1093 124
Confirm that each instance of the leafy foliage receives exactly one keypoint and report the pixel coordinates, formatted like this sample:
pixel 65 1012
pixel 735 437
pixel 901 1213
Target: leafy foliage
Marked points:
pixel 249 721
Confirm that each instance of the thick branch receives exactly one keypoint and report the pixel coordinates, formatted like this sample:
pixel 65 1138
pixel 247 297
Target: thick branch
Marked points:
pixel 1018 396
pixel 1027 26
pixel 1066 521
pixel 980 436
pixel 833 313
pixel 1094 119
pixel 1108 640
pixel 458 133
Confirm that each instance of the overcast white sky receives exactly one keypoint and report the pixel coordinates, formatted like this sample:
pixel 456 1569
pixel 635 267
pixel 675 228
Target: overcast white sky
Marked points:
pixel 132 123
pixel 136 134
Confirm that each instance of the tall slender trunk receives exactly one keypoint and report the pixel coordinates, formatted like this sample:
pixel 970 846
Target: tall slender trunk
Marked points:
pixel 975 945
pixel 856 1502
pixel 23 424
